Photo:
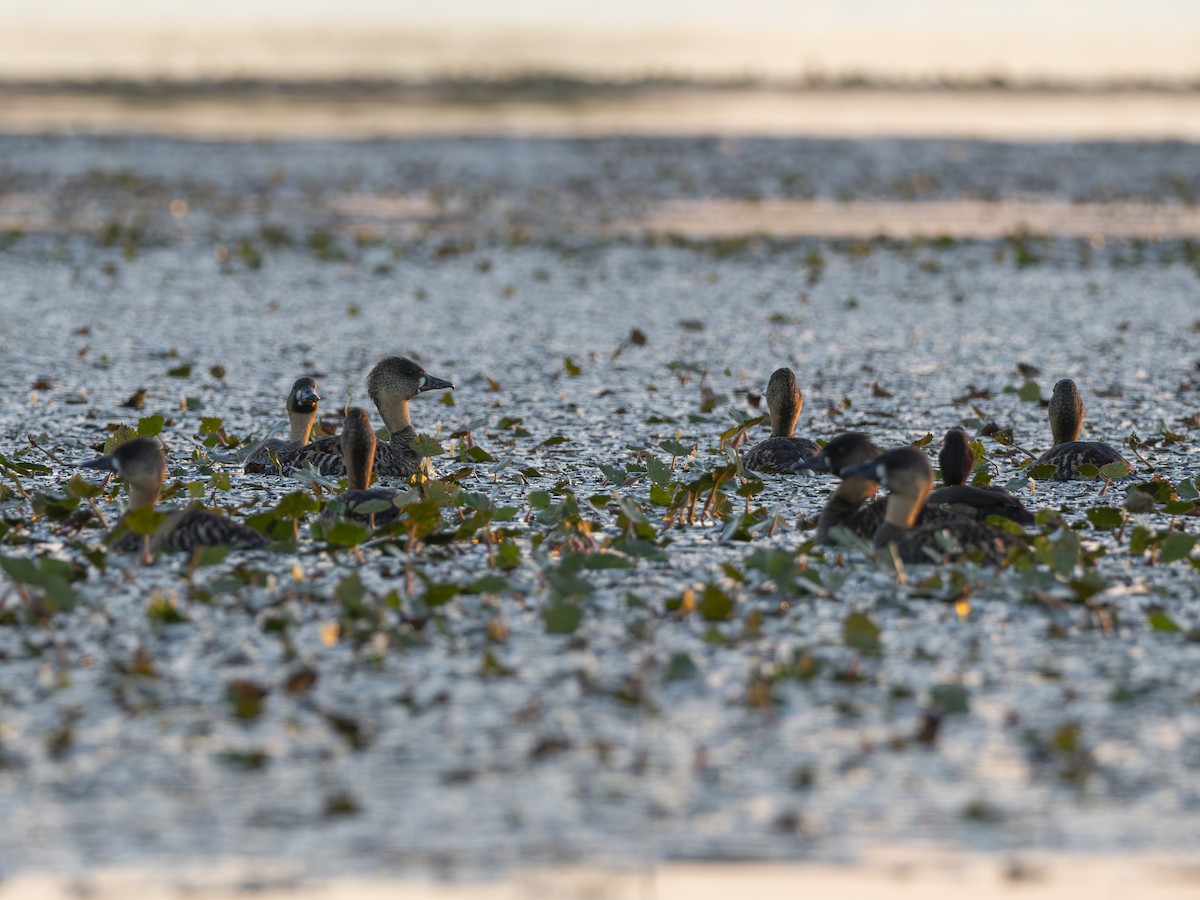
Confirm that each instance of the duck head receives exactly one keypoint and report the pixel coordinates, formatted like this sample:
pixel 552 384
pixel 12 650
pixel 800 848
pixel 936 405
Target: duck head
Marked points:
pixel 907 474
pixel 393 382
pixel 303 397
pixel 143 466
pixel 843 451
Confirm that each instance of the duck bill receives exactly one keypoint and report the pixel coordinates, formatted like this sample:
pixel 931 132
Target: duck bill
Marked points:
pixel 308 395
pixel 869 470
pixel 433 383
pixel 106 463
pixel 818 463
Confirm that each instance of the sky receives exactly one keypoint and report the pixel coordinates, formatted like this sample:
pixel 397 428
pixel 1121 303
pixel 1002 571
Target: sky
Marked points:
pixel 773 38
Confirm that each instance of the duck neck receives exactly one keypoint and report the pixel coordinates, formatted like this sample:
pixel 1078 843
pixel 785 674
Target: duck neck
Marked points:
pixel 360 461
pixel 302 425
pixel 856 490
pixel 141 495
pixel 1066 418
pixel 902 510
pixel 394 411
pixel 784 416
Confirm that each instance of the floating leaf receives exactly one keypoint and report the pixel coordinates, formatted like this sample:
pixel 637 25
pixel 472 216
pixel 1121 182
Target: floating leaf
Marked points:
pixel 149 426
pixel 78 486
pixel 859 632
pixel 1105 517
pixel 949 699
pixel 571 368
pixel 679 667
pixel 715 604
pixel 1116 469
pixel 561 618
pixel 1176 546
pixel 424 445
pixel 1160 621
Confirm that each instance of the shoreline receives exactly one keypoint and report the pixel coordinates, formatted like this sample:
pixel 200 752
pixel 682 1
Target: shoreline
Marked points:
pixel 924 874
pixel 364 112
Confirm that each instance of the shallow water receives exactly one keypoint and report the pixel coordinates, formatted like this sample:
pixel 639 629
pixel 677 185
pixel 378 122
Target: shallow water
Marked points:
pixel 440 745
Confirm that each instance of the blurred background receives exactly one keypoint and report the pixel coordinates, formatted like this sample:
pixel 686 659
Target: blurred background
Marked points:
pixel 562 61
pixel 1101 41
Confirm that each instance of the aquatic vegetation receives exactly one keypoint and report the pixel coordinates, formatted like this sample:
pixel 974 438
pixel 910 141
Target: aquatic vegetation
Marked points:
pixel 585 601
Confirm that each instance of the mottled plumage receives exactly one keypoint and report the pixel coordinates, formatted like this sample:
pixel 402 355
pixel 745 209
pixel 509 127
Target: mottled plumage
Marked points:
pixel 392 383
pixel 142 464
pixel 1068 452
pixel 906 472
pixel 780 451
pixel 956 461
pixel 301 406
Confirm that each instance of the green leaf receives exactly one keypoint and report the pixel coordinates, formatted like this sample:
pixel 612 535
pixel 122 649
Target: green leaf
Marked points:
pixel 424 445
pixel 659 471
pixel 143 521
pixel 950 699
pixel 607 561
pixel 149 426
pixel 477 453
pixel 1141 540
pixel 1087 470
pixel 1176 546
pixel 1030 392
pixel 679 667
pixel 1043 472
pixel 614 474
pixel 210 556
pixel 439 594
pixel 346 534
pixel 1187 489
pixel 210 424
pixel 715 604
pixel 1116 469
pixel 183 371
pixel 562 618
pixel 80 487
pixel 1105 517
pixel 1066 553
pixel 120 435
pixel 675 448
pixel 859 632
pixel 571 368
pixel 1160 621
pixel 160 609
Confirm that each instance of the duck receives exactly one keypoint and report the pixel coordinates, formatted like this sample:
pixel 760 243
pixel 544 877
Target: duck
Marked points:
pixel 358 452
pixel 391 384
pixel 301 404
pixel 1068 452
pixel 142 463
pixel 778 452
pixel 957 460
pixel 853 504
pixel 908 476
